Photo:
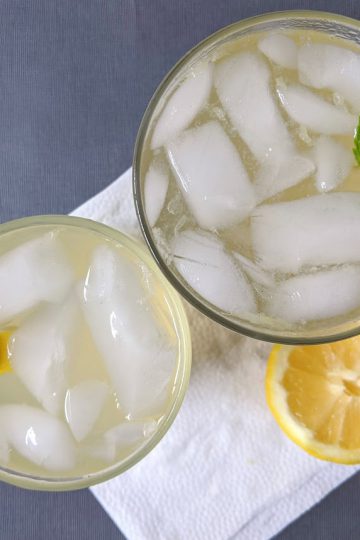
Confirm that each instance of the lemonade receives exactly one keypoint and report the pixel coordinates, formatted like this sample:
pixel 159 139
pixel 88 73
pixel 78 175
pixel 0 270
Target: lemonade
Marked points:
pixel 92 359
pixel 250 187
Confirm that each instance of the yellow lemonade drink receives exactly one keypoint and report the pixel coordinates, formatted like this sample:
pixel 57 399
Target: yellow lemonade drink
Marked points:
pixel 92 360
pixel 250 188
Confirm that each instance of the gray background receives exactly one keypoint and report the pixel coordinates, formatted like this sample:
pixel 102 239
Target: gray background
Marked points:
pixel 75 79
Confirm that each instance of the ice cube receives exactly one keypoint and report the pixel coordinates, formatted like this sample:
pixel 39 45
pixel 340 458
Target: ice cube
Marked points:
pixel 333 163
pixel 312 111
pixel 35 271
pixel 281 172
pixel 129 433
pixel 254 271
pixel 202 261
pixel 280 49
pixel 323 229
pixel 211 175
pixel 184 104
pixel 242 83
pixel 319 295
pixel 38 437
pixel 136 350
pixel 329 66
pixel 121 437
pixel 83 405
pixel 155 189
pixel 39 353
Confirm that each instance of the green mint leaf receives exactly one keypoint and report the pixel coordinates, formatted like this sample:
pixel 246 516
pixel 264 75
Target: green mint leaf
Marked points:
pixel 356 148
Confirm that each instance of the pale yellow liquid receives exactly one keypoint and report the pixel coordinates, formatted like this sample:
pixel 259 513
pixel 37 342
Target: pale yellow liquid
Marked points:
pixel 85 361
pixel 175 216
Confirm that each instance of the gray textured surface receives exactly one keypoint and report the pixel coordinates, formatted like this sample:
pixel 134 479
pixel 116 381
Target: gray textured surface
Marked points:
pixel 336 517
pixel 28 515
pixel 75 78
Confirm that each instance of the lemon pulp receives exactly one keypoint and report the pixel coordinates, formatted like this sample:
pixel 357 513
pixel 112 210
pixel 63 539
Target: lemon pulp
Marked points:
pixel 4 354
pixel 313 392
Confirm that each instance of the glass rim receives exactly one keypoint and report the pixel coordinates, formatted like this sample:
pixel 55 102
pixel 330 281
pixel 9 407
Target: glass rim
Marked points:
pixel 240 327
pixel 67 483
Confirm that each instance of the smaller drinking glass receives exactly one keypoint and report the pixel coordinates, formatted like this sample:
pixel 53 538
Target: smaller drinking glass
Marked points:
pixel 95 353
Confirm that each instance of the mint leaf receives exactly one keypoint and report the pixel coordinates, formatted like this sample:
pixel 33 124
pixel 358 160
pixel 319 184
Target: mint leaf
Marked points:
pixel 356 148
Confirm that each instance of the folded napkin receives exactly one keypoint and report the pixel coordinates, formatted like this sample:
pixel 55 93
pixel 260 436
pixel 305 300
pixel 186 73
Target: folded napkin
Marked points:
pixel 224 470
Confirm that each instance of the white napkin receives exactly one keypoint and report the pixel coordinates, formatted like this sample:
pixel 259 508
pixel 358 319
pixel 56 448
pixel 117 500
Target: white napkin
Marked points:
pixel 224 470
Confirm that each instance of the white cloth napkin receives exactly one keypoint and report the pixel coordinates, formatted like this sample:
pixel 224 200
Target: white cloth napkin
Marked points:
pixel 224 470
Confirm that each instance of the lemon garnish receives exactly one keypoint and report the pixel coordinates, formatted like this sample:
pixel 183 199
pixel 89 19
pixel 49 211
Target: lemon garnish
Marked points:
pixel 4 354
pixel 313 392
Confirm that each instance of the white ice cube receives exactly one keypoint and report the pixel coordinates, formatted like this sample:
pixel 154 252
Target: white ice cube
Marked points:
pixel 38 437
pixel 136 350
pixel 242 82
pixel 34 272
pixel 329 66
pixel 39 353
pixel 333 163
pixel 254 270
pixel 280 49
pixel 211 175
pixel 314 112
pixel 243 86
pixel 83 405
pixel 323 229
pixel 319 295
pixel 202 261
pixel 155 189
pixel 121 437
pixel 184 104
pixel 281 172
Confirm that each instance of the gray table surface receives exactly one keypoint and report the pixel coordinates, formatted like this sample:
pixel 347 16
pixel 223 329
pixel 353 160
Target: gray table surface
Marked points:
pixel 75 77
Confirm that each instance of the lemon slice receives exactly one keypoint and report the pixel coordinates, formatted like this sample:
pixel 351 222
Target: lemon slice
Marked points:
pixel 4 355
pixel 313 392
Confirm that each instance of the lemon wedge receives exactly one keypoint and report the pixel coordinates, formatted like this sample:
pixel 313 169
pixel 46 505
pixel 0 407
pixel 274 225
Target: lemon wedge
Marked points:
pixel 313 393
pixel 4 354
